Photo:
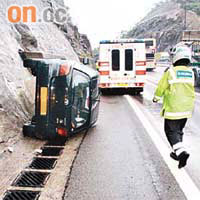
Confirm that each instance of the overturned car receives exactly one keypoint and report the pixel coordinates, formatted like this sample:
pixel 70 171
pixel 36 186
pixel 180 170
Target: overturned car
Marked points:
pixel 66 99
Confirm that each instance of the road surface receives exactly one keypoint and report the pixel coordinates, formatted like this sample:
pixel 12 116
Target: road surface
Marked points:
pixel 120 159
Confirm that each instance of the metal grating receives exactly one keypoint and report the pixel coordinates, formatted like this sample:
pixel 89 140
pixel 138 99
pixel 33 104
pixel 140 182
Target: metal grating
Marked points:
pixel 21 195
pixel 43 163
pixel 51 151
pixel 57 142
pixel 31 179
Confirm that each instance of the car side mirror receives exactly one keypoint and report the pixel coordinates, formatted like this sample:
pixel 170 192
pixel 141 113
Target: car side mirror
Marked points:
pixel 79 121
pixel 86 61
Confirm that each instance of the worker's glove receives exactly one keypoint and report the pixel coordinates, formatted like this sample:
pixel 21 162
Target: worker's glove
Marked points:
pixel 155 100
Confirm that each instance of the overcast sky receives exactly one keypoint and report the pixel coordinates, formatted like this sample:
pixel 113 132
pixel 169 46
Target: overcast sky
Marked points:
pixel 105 19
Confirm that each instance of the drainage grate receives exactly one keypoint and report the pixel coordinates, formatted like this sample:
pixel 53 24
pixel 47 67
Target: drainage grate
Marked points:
pixel 51 151
pixel 19 195
pixel 57 142
pixel 31 179
pixel 43 163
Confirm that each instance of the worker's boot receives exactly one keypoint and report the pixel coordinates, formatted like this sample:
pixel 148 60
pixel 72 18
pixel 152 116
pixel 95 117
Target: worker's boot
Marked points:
pixel 183 159
pixel 181 153
pixel 174 156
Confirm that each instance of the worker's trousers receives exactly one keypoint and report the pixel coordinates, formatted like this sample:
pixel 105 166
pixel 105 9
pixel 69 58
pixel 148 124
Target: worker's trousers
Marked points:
pixel 174 130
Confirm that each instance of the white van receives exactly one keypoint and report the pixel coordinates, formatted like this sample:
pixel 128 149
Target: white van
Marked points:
pixel 122 64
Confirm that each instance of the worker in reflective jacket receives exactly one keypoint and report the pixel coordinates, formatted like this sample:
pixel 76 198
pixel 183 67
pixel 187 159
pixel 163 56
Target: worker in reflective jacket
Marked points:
pixel 177 89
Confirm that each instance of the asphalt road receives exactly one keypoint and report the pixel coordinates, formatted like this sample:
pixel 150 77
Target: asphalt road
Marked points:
pixel 118 160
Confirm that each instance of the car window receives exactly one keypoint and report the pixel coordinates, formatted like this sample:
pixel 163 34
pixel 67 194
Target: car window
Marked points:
pixel 81 93
pixel 95 89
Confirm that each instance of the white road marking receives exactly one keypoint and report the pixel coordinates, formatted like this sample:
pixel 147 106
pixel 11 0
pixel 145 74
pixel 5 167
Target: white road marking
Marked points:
pixel 183 179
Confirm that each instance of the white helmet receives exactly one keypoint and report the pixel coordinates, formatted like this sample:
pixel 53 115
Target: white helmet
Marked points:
pixel 181 51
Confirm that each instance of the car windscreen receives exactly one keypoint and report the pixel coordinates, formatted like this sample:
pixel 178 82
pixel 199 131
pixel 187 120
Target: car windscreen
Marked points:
pixel 81 98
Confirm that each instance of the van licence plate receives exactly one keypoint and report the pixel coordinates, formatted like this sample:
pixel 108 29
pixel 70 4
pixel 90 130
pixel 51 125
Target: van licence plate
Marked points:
pixel 122 84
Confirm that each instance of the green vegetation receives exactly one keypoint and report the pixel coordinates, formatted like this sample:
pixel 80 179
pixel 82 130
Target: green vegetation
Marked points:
pixel 195 7
pixel 191 5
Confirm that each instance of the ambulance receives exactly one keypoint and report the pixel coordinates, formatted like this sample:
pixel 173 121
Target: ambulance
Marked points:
pixel 122 65
pixel 150 47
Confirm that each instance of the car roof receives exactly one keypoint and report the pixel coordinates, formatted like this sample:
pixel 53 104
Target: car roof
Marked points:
pixel 91 72
pixel 86 69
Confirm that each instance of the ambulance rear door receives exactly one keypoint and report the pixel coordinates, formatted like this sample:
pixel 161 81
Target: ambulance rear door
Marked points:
pixel 122 63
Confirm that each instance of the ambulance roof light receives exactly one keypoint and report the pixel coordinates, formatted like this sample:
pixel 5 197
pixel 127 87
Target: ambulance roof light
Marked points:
pixel 122 41
pixel 105 41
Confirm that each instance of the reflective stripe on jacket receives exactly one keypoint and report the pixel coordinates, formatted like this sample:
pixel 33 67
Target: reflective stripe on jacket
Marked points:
pixel 177 89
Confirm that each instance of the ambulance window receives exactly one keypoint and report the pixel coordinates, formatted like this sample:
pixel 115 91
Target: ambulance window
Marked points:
pixel 148 43
pixel 115 60
pixel 128 59
pixel 149 55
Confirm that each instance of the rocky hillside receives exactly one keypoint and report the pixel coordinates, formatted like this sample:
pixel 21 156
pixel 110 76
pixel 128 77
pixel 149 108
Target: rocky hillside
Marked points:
pixel 165 22
pixel 17 84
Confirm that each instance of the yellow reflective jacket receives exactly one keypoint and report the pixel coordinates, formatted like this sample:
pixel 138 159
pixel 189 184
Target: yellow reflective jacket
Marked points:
pixel 177 89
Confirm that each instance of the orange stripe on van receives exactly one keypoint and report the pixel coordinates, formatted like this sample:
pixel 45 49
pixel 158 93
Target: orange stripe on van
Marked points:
pixel 104 73
pixel 140 63
pixel 140 72
pixel 103 64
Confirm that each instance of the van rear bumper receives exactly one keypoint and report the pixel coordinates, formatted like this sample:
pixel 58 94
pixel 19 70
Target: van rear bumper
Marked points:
pixel 128 90
pixel 32 130
pixel 29 130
